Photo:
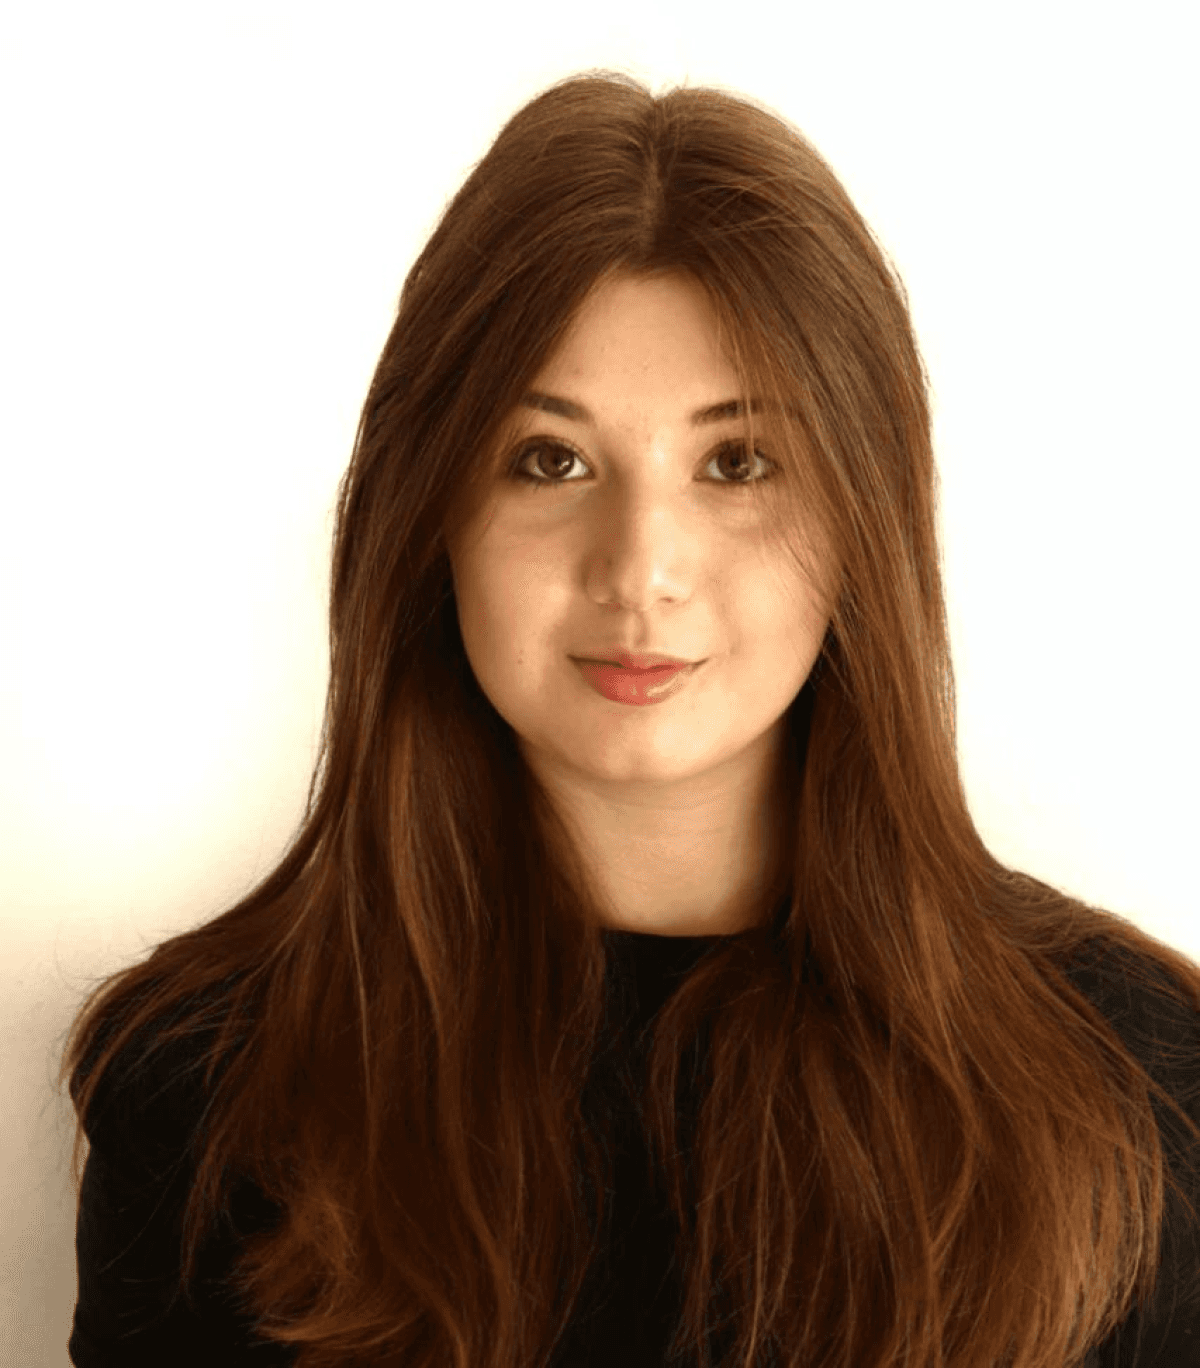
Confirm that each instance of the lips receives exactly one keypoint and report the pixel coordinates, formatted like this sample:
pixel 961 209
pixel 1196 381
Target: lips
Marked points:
pixel 635 660
pixel 619 684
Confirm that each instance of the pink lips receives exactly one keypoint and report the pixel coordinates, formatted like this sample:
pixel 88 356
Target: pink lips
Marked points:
pixel 620 684
pixel 634 660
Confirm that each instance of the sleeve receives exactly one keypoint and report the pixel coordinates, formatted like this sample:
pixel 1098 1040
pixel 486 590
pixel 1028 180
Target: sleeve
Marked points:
pixel 130 1310
pixel 1162 1031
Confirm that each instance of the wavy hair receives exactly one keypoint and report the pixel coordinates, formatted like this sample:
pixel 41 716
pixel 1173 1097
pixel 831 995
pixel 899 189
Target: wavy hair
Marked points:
pixel 916 1141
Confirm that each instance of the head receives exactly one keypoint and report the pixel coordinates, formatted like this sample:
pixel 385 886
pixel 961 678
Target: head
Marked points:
pixel 643 259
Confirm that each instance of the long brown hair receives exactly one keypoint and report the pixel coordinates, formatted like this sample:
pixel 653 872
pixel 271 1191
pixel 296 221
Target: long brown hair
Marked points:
pixel 917 1142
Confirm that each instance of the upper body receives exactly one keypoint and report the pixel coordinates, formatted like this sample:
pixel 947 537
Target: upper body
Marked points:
pixel 652 387
pixel 137 1173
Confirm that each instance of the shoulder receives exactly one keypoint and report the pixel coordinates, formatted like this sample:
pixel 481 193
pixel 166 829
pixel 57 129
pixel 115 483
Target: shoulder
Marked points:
pixel 152 1097
pixel 1151 1011
pixel 147 1129
pixel 1155 1018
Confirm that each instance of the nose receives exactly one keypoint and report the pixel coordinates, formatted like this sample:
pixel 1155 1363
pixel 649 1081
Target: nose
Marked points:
pixel 644 549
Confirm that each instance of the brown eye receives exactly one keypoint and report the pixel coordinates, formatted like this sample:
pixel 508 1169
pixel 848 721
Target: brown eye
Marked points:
pixel 550 461
pixel 736 465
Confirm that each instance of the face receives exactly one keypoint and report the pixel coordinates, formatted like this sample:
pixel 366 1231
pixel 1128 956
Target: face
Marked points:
pixel 631 530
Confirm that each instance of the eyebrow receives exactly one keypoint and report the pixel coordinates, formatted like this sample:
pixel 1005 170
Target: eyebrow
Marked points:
pixel 566 408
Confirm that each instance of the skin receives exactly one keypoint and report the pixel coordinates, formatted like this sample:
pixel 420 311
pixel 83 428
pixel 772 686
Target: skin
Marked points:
pixel 644 540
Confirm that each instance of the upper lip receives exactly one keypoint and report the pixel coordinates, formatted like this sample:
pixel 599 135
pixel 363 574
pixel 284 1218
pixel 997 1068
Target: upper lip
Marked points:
pixel 633 660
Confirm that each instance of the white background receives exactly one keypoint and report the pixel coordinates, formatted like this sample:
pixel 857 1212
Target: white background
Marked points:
pixel 208 213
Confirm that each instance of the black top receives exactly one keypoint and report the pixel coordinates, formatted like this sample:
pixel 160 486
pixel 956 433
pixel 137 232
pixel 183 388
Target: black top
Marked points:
pixel 136 1181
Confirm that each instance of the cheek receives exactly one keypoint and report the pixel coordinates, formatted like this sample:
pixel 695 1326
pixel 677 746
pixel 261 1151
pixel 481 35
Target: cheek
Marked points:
pixel 791 623
pixel 475 607
pixel 502 603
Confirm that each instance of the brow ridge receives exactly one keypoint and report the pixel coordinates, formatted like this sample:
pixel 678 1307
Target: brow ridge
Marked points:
pixel 568 408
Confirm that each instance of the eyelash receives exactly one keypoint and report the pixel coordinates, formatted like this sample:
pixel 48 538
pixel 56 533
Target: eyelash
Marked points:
pixel 542 482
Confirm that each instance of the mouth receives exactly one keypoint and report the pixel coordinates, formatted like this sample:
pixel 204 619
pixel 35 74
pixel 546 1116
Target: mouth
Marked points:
pixel 620 684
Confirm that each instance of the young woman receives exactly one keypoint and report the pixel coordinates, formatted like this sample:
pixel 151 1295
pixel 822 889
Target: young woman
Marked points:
pixel 605 1014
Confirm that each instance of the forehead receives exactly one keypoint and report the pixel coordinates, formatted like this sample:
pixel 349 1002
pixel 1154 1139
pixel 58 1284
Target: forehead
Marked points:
pixel 639 328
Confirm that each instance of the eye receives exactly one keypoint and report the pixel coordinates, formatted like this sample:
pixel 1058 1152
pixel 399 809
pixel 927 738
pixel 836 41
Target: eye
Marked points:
pixel 733 455
pixel 742 464
pixel 559 463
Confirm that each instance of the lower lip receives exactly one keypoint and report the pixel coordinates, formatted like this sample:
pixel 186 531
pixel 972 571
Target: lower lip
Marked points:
pixel 621 685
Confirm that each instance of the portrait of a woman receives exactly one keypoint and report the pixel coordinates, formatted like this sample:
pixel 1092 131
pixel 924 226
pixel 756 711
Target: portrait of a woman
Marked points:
pixel 638 988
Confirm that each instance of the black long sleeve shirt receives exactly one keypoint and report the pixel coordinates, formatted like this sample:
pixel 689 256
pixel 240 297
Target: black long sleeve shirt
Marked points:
pixel 136 1181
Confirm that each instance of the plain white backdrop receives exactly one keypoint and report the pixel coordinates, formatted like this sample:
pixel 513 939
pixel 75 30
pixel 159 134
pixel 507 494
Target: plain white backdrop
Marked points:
pixel 208 213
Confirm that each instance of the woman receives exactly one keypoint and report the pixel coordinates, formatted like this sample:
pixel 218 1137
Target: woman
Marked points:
pixel 596 1013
